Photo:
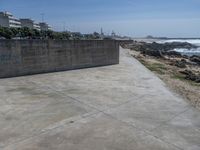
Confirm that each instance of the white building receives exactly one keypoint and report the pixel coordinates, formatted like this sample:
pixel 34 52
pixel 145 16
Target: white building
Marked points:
pixel 36 26
pixel 29 23
pixel 44 26
pixel 8 20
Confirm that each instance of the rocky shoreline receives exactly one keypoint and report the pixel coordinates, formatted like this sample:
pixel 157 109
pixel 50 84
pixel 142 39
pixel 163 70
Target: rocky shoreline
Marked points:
pixel 165 51
pixel 181 73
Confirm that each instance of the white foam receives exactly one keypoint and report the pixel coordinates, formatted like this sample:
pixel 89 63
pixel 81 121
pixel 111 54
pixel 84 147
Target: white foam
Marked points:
pixel 184 50
pixel 194 41
pixel 193 51
pixel 188 52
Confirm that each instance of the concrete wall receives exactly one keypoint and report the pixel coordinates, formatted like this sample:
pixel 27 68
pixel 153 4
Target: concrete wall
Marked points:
pixel 25 57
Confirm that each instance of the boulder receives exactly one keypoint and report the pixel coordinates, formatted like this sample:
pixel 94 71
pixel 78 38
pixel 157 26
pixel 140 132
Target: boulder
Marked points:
pixel 195 59
pixel 181 64
pixel 173 53
pixel 151 52
pixel 189 75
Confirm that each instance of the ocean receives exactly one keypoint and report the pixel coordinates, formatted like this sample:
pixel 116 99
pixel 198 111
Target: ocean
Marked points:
pixel 189 52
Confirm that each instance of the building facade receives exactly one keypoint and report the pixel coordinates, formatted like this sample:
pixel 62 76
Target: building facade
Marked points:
pixel 37 26
pixel 44 26
pixel 8 20
pixel 29 23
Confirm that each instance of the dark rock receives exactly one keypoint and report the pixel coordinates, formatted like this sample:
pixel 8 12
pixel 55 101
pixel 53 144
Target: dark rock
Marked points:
pixel 185 45
pixel 195 59
pixel 189 75
pixel 186 72
pixel 158 50
pixel 173 53
pixel 183 60
pixel 152 53
pixel 185 56
pixel 180 64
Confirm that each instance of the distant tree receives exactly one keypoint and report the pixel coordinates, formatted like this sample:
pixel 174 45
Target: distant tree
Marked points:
pixel 66 35
pixel 28 33
pixel 6 32
pixel 14 31
pixel 36 34
pixel 93 36
pixel 49 34
pixel 96 35
pixel 76 36
pixel 57 35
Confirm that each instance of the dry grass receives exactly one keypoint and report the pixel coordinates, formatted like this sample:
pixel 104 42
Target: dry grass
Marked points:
pixel 172 77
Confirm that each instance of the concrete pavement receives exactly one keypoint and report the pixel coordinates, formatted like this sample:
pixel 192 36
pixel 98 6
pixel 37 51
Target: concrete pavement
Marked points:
pixel 120 107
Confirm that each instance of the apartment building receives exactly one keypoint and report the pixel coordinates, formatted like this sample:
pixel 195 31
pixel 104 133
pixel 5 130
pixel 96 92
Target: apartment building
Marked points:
pixel 8 20
pixel 29 23
pixel 44 26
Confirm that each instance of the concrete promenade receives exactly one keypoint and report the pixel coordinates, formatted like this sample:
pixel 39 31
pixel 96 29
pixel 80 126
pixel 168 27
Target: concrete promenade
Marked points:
pixel 120 107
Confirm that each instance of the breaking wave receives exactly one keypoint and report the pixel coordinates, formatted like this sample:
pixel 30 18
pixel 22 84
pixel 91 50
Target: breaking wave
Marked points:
pixel 184 51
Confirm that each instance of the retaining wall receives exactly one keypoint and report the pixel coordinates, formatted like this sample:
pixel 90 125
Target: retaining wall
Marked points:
pixel 25 57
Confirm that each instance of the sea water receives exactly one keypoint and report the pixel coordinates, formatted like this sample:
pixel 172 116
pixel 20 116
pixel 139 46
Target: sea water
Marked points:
pixel 184 51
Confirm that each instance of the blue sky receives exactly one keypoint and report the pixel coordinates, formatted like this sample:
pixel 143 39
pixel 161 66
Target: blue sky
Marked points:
pixel 138 18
